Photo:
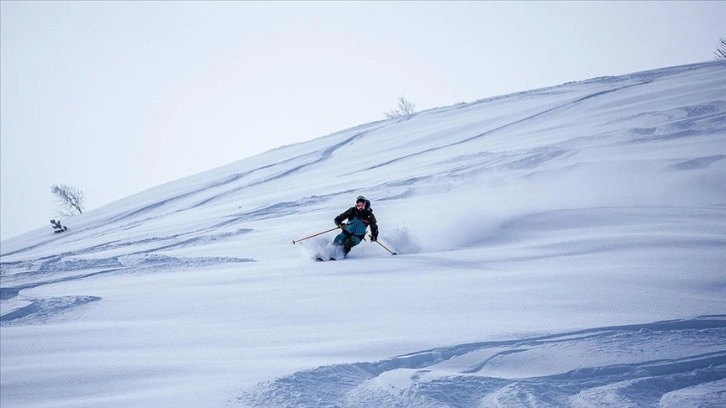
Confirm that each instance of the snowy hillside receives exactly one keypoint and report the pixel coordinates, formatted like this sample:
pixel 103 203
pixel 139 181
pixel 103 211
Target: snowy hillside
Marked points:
pixel 559 247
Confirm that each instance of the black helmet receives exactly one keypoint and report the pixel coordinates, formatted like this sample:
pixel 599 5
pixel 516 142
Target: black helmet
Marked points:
pixel 362 199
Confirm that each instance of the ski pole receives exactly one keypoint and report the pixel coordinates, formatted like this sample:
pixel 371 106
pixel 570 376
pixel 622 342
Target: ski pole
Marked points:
pixel 384 247
pixel 314 235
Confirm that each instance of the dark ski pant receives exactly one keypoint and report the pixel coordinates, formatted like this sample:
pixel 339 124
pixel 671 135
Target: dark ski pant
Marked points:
pixel 346 241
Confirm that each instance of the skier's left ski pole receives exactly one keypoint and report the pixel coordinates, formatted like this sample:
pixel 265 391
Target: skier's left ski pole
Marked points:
pixel 384 247
pixel 294 241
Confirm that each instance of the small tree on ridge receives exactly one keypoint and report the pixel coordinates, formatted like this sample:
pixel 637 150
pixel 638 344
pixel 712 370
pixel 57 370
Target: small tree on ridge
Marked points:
pixel 405 108
pixel 720 52
pixel 70 199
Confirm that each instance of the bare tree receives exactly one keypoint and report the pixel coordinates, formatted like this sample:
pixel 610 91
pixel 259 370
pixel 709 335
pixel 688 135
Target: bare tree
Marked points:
pixel 70 199
pixel 405 108
pixel 720 52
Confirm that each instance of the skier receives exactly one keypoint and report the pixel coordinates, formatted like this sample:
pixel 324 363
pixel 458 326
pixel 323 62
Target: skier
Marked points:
pixel 359 219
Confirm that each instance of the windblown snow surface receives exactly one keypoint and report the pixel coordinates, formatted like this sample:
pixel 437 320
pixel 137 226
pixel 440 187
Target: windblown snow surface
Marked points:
pixel 558 247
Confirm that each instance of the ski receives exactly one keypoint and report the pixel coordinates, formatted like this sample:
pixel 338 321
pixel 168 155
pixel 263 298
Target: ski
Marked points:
pixel 319 259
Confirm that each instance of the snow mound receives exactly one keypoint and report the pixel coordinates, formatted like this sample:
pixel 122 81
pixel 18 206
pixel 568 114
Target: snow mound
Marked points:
pixel 668 363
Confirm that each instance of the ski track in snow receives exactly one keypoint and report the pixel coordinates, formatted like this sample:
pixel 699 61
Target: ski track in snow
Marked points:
pixel 71 266
pixel 545 371
pixel 324 155
pixel 507 126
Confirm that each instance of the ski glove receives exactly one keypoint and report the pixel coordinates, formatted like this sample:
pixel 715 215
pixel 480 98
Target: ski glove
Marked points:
pixel 374 238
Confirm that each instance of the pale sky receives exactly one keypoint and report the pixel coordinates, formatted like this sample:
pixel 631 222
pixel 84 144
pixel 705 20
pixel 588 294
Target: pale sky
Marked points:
pixel 117 97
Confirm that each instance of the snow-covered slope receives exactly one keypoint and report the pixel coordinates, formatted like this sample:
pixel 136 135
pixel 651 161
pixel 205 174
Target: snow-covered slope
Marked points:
pixel 562 246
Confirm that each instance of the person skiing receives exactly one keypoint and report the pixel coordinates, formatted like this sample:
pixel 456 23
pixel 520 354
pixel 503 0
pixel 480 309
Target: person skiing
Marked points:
pixel 359 219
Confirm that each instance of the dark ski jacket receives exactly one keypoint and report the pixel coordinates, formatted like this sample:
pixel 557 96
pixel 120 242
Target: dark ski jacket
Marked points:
pixel 358 222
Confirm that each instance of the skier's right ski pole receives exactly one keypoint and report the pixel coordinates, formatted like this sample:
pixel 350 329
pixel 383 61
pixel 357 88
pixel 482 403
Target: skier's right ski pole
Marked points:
pixel 314 235
pixel 384 247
